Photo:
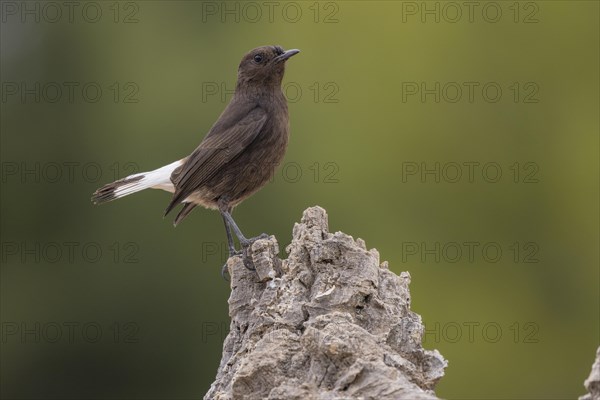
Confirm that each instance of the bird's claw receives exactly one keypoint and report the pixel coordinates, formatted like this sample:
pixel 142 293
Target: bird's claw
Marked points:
pixel 248 262
pixel 225 272
pixel 245 244
pixel 233 253
pixel 248 242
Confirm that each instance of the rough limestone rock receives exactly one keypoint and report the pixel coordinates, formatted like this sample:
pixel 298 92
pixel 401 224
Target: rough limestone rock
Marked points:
pixel 328 322
pixel 592 383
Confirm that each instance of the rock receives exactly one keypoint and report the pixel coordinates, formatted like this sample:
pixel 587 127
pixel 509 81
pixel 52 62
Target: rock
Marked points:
pixel 328 322
pixel 592 383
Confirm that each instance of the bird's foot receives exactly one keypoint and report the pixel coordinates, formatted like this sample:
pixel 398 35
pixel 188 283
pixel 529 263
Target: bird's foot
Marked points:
pixel 246 243
pixel 246 260
pixel 234 252
pixel 225 272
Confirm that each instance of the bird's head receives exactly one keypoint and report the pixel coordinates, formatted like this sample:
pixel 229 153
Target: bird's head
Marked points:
pixel 264 66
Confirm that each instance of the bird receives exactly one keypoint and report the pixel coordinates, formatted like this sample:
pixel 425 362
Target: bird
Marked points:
pixel 237 156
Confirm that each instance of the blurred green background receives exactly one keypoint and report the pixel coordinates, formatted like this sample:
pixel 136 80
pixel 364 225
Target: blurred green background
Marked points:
pixel 113 302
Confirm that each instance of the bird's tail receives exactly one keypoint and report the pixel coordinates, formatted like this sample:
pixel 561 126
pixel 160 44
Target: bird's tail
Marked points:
pixel 157 179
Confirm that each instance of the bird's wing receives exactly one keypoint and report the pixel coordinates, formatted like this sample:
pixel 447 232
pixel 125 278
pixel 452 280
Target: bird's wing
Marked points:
pixel 218 148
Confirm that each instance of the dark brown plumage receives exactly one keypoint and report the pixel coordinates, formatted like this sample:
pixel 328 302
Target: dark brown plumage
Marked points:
pixel 239 153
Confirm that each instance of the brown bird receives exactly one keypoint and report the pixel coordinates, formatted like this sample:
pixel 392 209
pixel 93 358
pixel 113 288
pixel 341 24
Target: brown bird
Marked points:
pixel 237 156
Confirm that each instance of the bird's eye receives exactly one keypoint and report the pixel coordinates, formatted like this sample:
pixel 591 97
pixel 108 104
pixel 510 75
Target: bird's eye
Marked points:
pixel 258 58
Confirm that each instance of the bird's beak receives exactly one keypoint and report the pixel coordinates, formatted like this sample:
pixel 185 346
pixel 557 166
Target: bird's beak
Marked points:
pixel 287 55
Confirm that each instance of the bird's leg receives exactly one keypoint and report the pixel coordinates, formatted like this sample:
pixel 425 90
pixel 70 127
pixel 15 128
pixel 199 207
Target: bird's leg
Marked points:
pixel 232 250
pixel 244 242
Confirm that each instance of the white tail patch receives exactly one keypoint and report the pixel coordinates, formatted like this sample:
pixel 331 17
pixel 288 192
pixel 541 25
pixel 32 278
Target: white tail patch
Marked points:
pixel 158 179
